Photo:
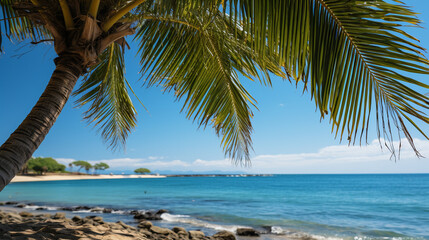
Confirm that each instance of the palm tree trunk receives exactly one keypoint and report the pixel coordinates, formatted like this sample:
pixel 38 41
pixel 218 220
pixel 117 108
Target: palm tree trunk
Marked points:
pixel 22 143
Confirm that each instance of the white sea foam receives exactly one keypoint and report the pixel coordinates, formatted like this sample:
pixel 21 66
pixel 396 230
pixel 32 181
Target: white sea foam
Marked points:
pixel 199 223
pixel 118 211
pixel 34 207
pixel 277 230
pixel 82 211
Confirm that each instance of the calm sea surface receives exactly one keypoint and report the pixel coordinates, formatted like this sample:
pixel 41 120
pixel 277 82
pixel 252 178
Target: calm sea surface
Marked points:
pixel 325 206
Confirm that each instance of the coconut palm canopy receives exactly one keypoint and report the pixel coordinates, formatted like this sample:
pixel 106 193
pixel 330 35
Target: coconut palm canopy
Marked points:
pixel 352 56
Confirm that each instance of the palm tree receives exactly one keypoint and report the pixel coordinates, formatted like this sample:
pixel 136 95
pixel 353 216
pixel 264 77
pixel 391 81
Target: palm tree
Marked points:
pixel 352 56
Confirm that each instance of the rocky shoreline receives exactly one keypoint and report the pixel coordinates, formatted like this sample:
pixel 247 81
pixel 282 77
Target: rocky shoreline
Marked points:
pixel 29 226
pixel 38 222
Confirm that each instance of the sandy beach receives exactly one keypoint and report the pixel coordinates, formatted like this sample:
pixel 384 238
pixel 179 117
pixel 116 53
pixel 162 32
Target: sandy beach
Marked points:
pixel 37 178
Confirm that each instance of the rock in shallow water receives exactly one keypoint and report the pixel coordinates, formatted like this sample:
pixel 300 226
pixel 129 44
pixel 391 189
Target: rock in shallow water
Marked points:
pixel 248 232
pixel 149 215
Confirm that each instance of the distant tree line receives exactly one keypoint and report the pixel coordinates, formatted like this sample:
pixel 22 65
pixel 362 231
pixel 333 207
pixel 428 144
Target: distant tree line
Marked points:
pixel 142 171
pixel 42 165
pixel 88 166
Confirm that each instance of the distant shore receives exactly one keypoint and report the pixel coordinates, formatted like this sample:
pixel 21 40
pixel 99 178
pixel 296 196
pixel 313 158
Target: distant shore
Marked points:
pixel 59 177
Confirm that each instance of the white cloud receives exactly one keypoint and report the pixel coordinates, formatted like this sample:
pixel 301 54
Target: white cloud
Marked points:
pixel 330 159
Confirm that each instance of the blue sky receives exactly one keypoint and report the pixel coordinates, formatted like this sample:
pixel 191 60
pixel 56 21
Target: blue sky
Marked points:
pixel 288 134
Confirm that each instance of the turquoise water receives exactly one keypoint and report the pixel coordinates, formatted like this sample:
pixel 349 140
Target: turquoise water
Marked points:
pixel 342 206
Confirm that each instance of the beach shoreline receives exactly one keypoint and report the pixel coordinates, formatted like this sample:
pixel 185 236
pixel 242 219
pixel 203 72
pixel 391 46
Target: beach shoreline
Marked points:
pixel 60 177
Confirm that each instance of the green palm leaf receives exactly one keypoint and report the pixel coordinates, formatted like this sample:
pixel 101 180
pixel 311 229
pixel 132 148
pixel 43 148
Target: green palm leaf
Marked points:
pixel 17 24
pixel 105 89
pixel 353 53
pixel 194 53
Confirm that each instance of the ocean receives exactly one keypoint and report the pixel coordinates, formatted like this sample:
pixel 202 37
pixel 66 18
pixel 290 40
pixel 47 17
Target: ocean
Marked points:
pixel 367 206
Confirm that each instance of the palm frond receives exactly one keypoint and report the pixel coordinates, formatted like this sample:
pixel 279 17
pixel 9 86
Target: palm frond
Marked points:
pixel 192 51
pixel 354 53
pixel 105 89
pixel 19 26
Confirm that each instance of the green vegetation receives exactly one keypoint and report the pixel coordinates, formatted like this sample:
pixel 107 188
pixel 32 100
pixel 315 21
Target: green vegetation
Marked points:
pixel 142 171
pixel 101 166
pixel 353 57
pixel 82 164
pixel 44 165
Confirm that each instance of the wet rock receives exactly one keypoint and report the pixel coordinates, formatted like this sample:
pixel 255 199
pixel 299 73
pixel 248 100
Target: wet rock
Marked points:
pixel 21 205
pixel 67 209
pixel 134 212
pixel 107 210
pixel 224 235
pixel 150 215
pixel 248 232
pixel 196 235
pixel 11 203
pixel 41 208
pixel 97 209
pixel 161 211
pixel 78 208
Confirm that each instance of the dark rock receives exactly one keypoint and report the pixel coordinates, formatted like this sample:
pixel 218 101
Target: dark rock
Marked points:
pixel 11 203
pixel 97 219
pixel 59 215
pixel 224 235
pixel 67 209
pixel 41 208
pixel 81 208
pixel 150 215
pixel 21 205
pixel 249 232
pixel 97 209
pixel 161 211
pixel 107 210
pixel 25 214
pixel 76 219
pixel 134 212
